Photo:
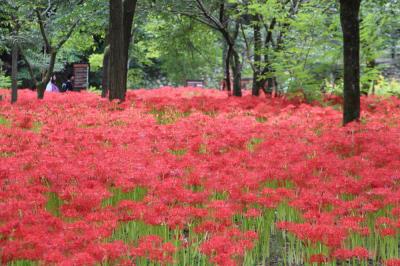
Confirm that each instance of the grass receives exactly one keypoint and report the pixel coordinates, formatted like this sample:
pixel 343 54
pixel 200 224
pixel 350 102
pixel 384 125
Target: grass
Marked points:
pixel 37 127
pixel 178 152
pixel 253 143
pixel 261 119
pixel 136 194
pixel 168 115
pixel 7 154
pixel 4 121
pixel 23 263
pixel 54 203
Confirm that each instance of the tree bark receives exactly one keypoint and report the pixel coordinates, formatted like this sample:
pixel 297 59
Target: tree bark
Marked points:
pixel 224 62
pixel 237 75
pixel 14 73
pixel 228 69
pixel 117 58
pixel 370 85
pixel 105 82
pixel 121 18
pixel 257 83
pixel 129 13
pixel 349 17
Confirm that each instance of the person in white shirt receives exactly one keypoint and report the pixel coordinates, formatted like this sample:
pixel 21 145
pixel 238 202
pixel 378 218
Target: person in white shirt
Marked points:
pixel 51 86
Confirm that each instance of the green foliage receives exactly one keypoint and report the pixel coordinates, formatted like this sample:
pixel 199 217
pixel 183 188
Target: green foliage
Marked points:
pixel 94 89
pixel 335 88
pixel 311 50
pixel 135 78
pixel 385 87
pixel 96 62
pixel 21 24
pixel 5 81
pixel 181 48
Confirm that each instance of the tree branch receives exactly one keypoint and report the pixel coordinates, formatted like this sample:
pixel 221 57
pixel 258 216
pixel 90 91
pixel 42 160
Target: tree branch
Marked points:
pixel 207 14
pixel 192 16
pixel 67 36
pixel 247 48
pixel 50 5
pixel 269 29
pixel 42 30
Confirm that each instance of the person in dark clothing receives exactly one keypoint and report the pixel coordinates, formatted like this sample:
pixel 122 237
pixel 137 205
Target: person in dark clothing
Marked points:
pixel 69 84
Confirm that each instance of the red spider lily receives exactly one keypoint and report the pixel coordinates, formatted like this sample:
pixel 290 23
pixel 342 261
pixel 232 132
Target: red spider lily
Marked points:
pixel 318 258
pixel 344 254
pixel 191 160
pixel 392 262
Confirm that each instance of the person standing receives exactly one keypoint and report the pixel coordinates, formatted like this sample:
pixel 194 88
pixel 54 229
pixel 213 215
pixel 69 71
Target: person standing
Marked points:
pixel 51 86
pixel 69 84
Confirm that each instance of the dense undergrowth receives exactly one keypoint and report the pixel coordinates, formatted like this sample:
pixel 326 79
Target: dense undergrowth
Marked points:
pixel 191 177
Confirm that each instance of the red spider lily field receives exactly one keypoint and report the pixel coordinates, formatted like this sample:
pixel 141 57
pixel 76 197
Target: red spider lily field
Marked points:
pixel 192 177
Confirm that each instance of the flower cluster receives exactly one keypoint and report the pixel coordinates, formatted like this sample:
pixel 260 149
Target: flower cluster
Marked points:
pixel 189 176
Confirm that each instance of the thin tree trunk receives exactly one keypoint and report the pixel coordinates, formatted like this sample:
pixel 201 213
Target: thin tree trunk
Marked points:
pixel 14 73
pixel 370 86
pixel 129 7
pixel 237 76
pixel 117 54
pixel 227 69
pixel 268 84
pixel 105 82
pixel 41 87
pixel 257 61
pixel 349 17
pixel 224 62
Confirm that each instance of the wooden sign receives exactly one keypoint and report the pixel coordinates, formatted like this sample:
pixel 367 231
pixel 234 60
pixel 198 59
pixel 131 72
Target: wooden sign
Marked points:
pixel 81 74
pixel 195 83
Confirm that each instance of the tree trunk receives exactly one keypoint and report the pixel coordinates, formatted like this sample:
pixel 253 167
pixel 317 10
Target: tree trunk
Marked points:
pixel 224 62
pixel 349 17
pixel 41 87
pixel 237 76
pixel 227 69
pixel 14 73
pixel 257 61
pixel 105 82
pixel 268 84
pixel 121 18
pixel 370 85
pixel 129 12
pixel 117 55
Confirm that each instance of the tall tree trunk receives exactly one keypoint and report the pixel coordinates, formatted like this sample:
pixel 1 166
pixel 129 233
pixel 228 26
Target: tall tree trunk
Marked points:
pixel 117 54
pixel 268 84
pixel 227 69
pixel 257 82
pixel 349 17
pixel 105 82
pixel 40 88
pixel 224 62
pixel 129 13
pixel 237 76
pixel 120 34
pixel 14 73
